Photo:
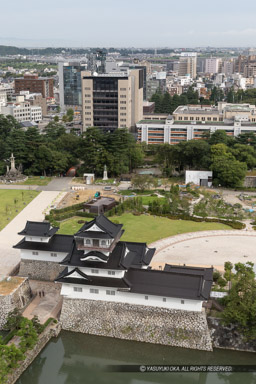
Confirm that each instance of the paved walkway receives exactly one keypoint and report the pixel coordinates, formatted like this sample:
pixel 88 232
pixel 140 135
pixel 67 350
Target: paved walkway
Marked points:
pixel 206 248
pixel 9 257
pixel 44 305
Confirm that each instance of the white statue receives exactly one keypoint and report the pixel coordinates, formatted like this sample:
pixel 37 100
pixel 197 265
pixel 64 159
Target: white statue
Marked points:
pixel 105 173
pixel 12 163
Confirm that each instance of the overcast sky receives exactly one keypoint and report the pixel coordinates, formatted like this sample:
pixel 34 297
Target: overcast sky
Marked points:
pixel 132 23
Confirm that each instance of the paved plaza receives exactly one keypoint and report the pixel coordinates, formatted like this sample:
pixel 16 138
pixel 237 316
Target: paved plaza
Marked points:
pixel 206 248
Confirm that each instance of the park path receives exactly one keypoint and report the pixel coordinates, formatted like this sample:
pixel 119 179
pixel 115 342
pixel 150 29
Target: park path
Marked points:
pixel 34 211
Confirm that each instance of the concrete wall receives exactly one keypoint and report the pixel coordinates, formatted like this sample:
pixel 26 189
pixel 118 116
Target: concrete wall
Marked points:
pixel 40 270
pixel 195 177
pixel 19 298
pixel 139 323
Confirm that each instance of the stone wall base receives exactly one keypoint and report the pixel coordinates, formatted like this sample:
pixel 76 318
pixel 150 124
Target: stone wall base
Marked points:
pixel 19 298
pixel 228 337
pixel 40 270
pixel 137 322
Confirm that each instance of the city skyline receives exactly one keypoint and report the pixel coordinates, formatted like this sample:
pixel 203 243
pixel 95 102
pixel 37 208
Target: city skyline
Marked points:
pixel 142 24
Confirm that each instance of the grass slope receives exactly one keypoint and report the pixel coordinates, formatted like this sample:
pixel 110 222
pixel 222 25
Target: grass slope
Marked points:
pixel 146 228
pixel 12 202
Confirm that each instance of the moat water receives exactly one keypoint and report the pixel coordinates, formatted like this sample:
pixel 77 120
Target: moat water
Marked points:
pixel 75 358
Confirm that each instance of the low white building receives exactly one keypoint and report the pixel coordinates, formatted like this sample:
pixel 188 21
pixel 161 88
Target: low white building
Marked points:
pixel 202 178
pixel 22 111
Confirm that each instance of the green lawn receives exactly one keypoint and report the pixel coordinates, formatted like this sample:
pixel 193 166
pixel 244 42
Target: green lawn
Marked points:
pixel 146 228
pixel 12 202
pixel 37 180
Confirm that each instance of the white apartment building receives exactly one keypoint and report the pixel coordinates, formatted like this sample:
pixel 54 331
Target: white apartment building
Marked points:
pixel 212 65
pixel 3 97
pixel 187 64
pixel 23 111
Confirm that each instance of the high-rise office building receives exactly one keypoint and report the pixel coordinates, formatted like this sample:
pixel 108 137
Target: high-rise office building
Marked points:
pixel 113 100
pixel 187 65
pixel 70 85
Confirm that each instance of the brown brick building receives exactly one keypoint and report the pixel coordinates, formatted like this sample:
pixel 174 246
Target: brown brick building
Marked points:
pixel 35 84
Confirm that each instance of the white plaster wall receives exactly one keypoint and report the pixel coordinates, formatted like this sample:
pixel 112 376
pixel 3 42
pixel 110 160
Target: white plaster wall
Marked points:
pixel 102 272
pixel 131 298
pixel 37 239
pixel 42 256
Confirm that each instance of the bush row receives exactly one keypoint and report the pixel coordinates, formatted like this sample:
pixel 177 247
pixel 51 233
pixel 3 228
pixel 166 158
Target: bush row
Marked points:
pixel 233 224
pixel 74 207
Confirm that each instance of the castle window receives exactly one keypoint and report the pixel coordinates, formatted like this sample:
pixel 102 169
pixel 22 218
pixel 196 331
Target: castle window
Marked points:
pixel 54 254
pixel 88 241
pixel 94 271
pixel 146 297
pixel 93 290
pixel 164 299
pixel 77 289
pixel 35 253
pixel 182 301
pixel 111 273
pixel 112 293
pixel 103 242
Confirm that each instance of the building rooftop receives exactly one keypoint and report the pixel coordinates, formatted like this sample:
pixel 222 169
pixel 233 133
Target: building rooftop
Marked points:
pixel 58 243
pixel 40 229
pixel 104 224
pixel 123 256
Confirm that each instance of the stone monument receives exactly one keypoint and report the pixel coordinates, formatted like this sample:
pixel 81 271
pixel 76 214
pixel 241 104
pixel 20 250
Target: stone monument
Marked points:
pixel 105 173
pixel 12 175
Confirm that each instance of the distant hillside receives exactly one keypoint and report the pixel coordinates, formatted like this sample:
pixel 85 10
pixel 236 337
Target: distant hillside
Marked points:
pixel 6 50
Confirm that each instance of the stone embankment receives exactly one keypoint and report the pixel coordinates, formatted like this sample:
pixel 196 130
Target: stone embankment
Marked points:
pixel 17 298
pixel 139 323
pixel 52 330
pixel 40 270
pixel 228 337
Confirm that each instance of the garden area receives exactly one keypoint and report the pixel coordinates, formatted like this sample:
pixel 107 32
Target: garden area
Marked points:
pixel 23 334
pixel 12 202
pixel 144 228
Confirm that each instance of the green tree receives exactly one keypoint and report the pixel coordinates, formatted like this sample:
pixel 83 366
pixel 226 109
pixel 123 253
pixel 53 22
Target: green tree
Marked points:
pixel 143 182
pixel 227 171
pixel 240 307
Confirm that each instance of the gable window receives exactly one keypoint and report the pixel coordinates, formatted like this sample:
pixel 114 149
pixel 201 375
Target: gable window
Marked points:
pixel 182 301
pixel 146 297
pixel 88 241
pixel 94 271
pixel 112 293
pixel 164 299
pixel 34 253
pixel 103 242
pixel 77 289
pixel 111 273
pixel 93 290
pixel 54 254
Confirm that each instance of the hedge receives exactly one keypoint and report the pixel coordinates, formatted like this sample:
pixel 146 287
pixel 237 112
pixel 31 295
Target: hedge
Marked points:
pixel 233 224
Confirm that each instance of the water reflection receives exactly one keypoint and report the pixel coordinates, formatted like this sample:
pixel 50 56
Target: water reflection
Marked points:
pixel 77 358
